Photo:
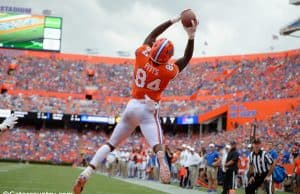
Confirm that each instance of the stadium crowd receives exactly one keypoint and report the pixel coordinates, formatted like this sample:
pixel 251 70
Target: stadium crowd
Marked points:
pixel 244 80
pixel 134 158
pixel 240 80
pixel 44 145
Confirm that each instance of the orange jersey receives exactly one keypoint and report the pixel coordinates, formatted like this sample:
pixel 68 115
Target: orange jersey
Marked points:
pixel 150 79
pixel 243 163
pixel 297 165
pixel 139 158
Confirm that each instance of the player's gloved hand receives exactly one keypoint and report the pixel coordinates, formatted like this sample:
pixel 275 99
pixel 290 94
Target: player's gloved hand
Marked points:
pixel 191 30
pixel 9 122
pixel 175 20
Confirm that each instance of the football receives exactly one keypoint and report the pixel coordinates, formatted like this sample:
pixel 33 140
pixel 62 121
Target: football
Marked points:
pixel 187 16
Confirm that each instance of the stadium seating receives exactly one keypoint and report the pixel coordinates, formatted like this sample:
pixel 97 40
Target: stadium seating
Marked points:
pixel 53 84
pixel 66 145
pixel 59 84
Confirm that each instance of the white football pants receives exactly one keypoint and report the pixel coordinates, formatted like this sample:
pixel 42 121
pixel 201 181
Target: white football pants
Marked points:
pixel 143 113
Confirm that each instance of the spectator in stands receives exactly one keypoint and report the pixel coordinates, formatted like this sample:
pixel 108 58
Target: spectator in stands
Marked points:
pixel 187 182
pixel 297 173
pixel 243 167
pixel 132 164
pixel 286 155
pixel 224 153
pixel 273 153
pixel 182 175
pixel 212 163
pixel 231 169
pixel 202 164
pixel 152 166
pixel 278 75
pixel 123 159
pixel 27 143
pixel 295 151
pixel 193 165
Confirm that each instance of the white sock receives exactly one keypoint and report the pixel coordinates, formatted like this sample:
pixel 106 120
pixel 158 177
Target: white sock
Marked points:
pixel 87 172
pixel 100 155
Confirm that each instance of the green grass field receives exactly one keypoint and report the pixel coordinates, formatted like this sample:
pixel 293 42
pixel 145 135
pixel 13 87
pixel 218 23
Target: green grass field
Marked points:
pixel 27 34
pixel 47 178
pixel 34 32
pixel 28 38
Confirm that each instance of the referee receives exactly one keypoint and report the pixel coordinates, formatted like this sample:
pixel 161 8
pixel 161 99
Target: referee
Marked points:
pixel 260 169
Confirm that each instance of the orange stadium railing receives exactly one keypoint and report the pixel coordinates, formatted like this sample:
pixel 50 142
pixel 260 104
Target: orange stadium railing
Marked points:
pixel 120 60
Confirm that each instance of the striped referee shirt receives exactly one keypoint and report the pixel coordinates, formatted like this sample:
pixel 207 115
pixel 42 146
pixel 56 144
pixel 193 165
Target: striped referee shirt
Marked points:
pixel 261 162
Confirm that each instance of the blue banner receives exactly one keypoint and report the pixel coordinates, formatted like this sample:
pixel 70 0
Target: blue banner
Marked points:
pixel 186 120
pixel 93 119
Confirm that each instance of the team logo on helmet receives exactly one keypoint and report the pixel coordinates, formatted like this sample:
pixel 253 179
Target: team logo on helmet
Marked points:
pixel 161 51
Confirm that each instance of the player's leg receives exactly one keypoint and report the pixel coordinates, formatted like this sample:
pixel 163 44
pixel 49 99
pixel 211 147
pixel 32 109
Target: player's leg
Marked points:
pixel 151 129
pixel 120 133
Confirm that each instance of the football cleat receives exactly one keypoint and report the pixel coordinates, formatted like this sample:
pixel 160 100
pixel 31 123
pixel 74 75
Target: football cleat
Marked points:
pixel 79 184
pixel 164 171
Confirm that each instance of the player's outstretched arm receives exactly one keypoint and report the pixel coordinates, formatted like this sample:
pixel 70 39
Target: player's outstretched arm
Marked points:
pixel 150 39
pixel 8 123
pixel 189 49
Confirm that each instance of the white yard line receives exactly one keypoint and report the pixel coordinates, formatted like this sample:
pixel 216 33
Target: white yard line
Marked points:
pixel 170 189
pixel 12 167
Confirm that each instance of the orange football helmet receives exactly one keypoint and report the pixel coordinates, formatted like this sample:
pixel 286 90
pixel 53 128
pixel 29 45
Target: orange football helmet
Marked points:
pixel 161 51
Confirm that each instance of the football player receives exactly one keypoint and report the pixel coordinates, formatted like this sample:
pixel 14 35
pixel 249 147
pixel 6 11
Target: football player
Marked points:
pixel 152 73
